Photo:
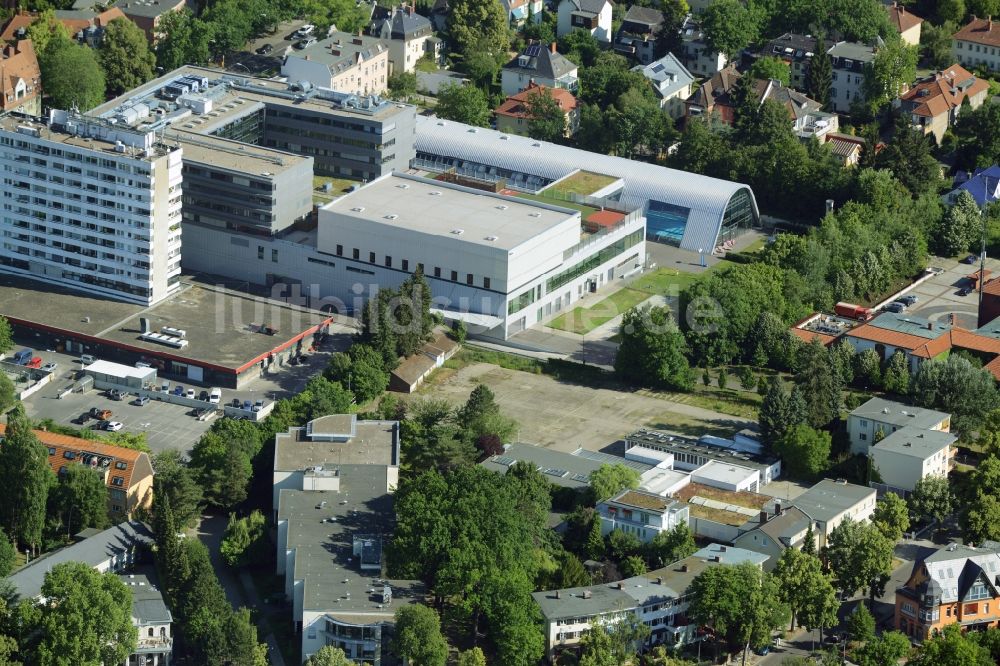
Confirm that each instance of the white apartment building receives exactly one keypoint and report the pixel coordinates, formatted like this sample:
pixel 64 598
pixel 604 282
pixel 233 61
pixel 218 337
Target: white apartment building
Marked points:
pixel 90 206
pixel 910 454
pixel 343 62
pixel 887 416
pixel 977 44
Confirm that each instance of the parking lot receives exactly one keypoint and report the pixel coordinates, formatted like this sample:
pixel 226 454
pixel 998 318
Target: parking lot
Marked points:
pixel 939 296
pixel 251 62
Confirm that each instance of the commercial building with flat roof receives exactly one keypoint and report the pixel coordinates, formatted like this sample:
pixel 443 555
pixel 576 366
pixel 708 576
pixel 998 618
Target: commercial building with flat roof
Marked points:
pixel 641 514
pixel 657 598
pixel 91 206
pixel 690 455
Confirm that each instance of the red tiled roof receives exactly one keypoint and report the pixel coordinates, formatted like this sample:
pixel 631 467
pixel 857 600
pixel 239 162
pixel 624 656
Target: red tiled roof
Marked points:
pixel 901 19
pixel 939 93
pixel 516 106
pixel 992 287
pixel 980 31
pixel 74 25
pixel 58 445
pixel 18 63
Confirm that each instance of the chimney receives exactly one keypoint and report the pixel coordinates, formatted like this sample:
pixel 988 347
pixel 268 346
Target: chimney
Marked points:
pixel 621 585
pixel 557 594
pixel 586 594
pixel 411 10
pixel 715 558
pixel 777 507
pixel 684 568
pixel 659 580
pixel 930 326
pixel 552 47
pixel 722 549
pixel 763 516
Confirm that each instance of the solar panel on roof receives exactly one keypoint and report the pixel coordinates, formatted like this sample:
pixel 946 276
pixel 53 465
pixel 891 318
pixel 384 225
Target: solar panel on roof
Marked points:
pixel 553 471
pixel 580 477
pixel 533 50
pixel 504 460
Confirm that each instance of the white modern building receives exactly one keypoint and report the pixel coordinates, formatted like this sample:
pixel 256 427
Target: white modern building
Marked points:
pixel 832 501
pixel 498 262
pixel 910 454
pixel 850 62
pixel 641 514
pixel 879 415
pixel 659 599
pixel 727 476
pixel 91 206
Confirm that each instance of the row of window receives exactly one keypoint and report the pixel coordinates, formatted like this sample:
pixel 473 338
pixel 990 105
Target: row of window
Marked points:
pixel 438 273
pixel 978 48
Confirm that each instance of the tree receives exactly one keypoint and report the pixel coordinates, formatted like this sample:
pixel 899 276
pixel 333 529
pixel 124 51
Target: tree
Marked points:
pixel 329 656
pixel 959 228
pixel 8 392
pixel 368 377
pixel 951 648
pixel 806 590
pixel 869 368
pixel 80 498
pixel 594 548
pixel 418 636
pixel 182 39
pixel 6 336
pixel 125 56
pixel 473 657
pixel 893 68
pixel 861 624
pixel 72 75
pixel 46 30
pixel 979 519
pixel 888 648
pixel 820 74
pixel 463 104
pixel 622 544
pixel 956 386
pixel 222 463
pixel 729 26
pixel 860 557
pixel 896 377
pixel 652 350
pixel 892 517
pixel 243 542
pixel 771 68
pixel 175 481
pixel 668 39
pixel 242 646
pixel 670 545
pixel 908 155
pixel 740 602
pixel 25 479
pixel 479 26
pixel 633 565
pixel 780 411
pixel 608 480
pixel 402 85
pixel 612 643
pixel 8 556
pixel 819 384
pixel 546 118
pixel 804 451
pixel 74 596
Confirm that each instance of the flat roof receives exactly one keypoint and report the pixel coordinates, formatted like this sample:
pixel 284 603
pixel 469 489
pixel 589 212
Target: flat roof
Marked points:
pixel 450 211
pixel 724 472
pixel 610 459
pixel 655 439
pixel 241 157
pixel 910 325
pixel 372 444
pixel 223 327
pixel 644 500
pixel 11 123
pixel 119 369
pixel 660 481
pixel 829 498
pixel 562 469
pixel 333 580
pixel 898 414
pixel 917 442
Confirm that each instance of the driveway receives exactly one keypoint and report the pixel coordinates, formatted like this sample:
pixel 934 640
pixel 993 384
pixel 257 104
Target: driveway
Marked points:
pixel 939 297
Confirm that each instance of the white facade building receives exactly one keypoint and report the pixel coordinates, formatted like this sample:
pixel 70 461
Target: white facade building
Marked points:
pixel 887 416
pixel 90 206
pixel 831 501
pixel 642 514
pixel 594 16
pixel 911 454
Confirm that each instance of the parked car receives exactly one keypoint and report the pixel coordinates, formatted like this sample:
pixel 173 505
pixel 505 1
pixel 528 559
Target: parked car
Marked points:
pixel 100 413
pixel 237 403
pixel 113 426
pixel 87 359
pixel 265 50
pixel 247 405
pixel 909 299
pixel 305 43
pixel 83 418
pixel 971 259
pixel 23 357
pixel 179 390
pixel 190 393
pixel 115 394
pixel 35 363
pixel 165 387
pixel 895 306
pixel 215 396
pixel 141 401
pixel 305 30
pixel 50 367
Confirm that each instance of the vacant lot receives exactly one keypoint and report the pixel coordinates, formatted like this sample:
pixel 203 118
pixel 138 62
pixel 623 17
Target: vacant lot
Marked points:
pixel 567 416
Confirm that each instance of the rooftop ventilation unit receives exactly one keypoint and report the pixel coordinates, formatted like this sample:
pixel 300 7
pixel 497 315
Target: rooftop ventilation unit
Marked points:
pixel 403 186
pixel 491 238
pixel 502 207
pixel 391 216
pixel 358 209
pixel 435 193
pixel 458 232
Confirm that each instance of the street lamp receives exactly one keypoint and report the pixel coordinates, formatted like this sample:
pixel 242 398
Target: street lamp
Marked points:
pixel 239 64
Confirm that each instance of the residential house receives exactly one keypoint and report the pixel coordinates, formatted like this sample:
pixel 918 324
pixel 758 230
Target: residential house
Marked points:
pixel 772 533
pixel 148 14
pixel 659 599
pixel 700 59
pixel 977 44
pixel 906 22
pixel 128 474
pixel 797 51
pixel 715 96
pixel 983 185
pixel 519 11
pixel 832 501
pixel 20 79
pixel 514 115
pixel 116 549
pixel 911 454
pixel 954 585
pixel 408 35
pixel 888 416
pixel 671 81
pixel 347 63
pixel 934 102
pixel 594 16
pixel 808 118
pixel 85 25
pixel 638 33
pixel 152 619
pixel 850 62
pixel 847 148
pixel 540 64
pixel 642 514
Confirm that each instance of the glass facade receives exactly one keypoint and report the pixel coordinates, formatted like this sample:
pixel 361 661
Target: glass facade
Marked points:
pixel 739 215
pixel 665 223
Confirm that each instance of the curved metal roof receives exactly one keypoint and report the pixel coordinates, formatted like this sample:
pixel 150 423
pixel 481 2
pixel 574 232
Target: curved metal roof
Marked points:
pixel 706 197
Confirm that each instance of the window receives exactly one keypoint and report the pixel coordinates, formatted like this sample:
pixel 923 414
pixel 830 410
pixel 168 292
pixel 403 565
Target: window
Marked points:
pixel 356 253
pixel 864 437
pixel 118 481
pixel 468 278
pixel 978 591
pixel 260 251
pixel 486 283
pixel 274 256
pixel 437 271
pixel 121 465
pixel 371 257
pixel 69 455
pixel 406 264
pixel 388 261
pixel 52 451
pixel 454 276
pixel 340 250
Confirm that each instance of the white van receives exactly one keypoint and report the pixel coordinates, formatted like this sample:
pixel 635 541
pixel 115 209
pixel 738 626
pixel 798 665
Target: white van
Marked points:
pixel 215 396
pixel 87 359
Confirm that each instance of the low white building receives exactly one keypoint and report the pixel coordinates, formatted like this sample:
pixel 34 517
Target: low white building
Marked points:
pixel 697 55
pixel 594 16
pixel 879 415
pixel 689 455
pixel 659 599
pixel 910 454
pixel 727 476
pixel 408 35
pixel 642 514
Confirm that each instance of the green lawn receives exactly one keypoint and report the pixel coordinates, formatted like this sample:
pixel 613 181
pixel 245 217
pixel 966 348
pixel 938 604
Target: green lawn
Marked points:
pixel 666 281
pixel 585 319
pixel 582 182
pixel 340 186
pixel 585 211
